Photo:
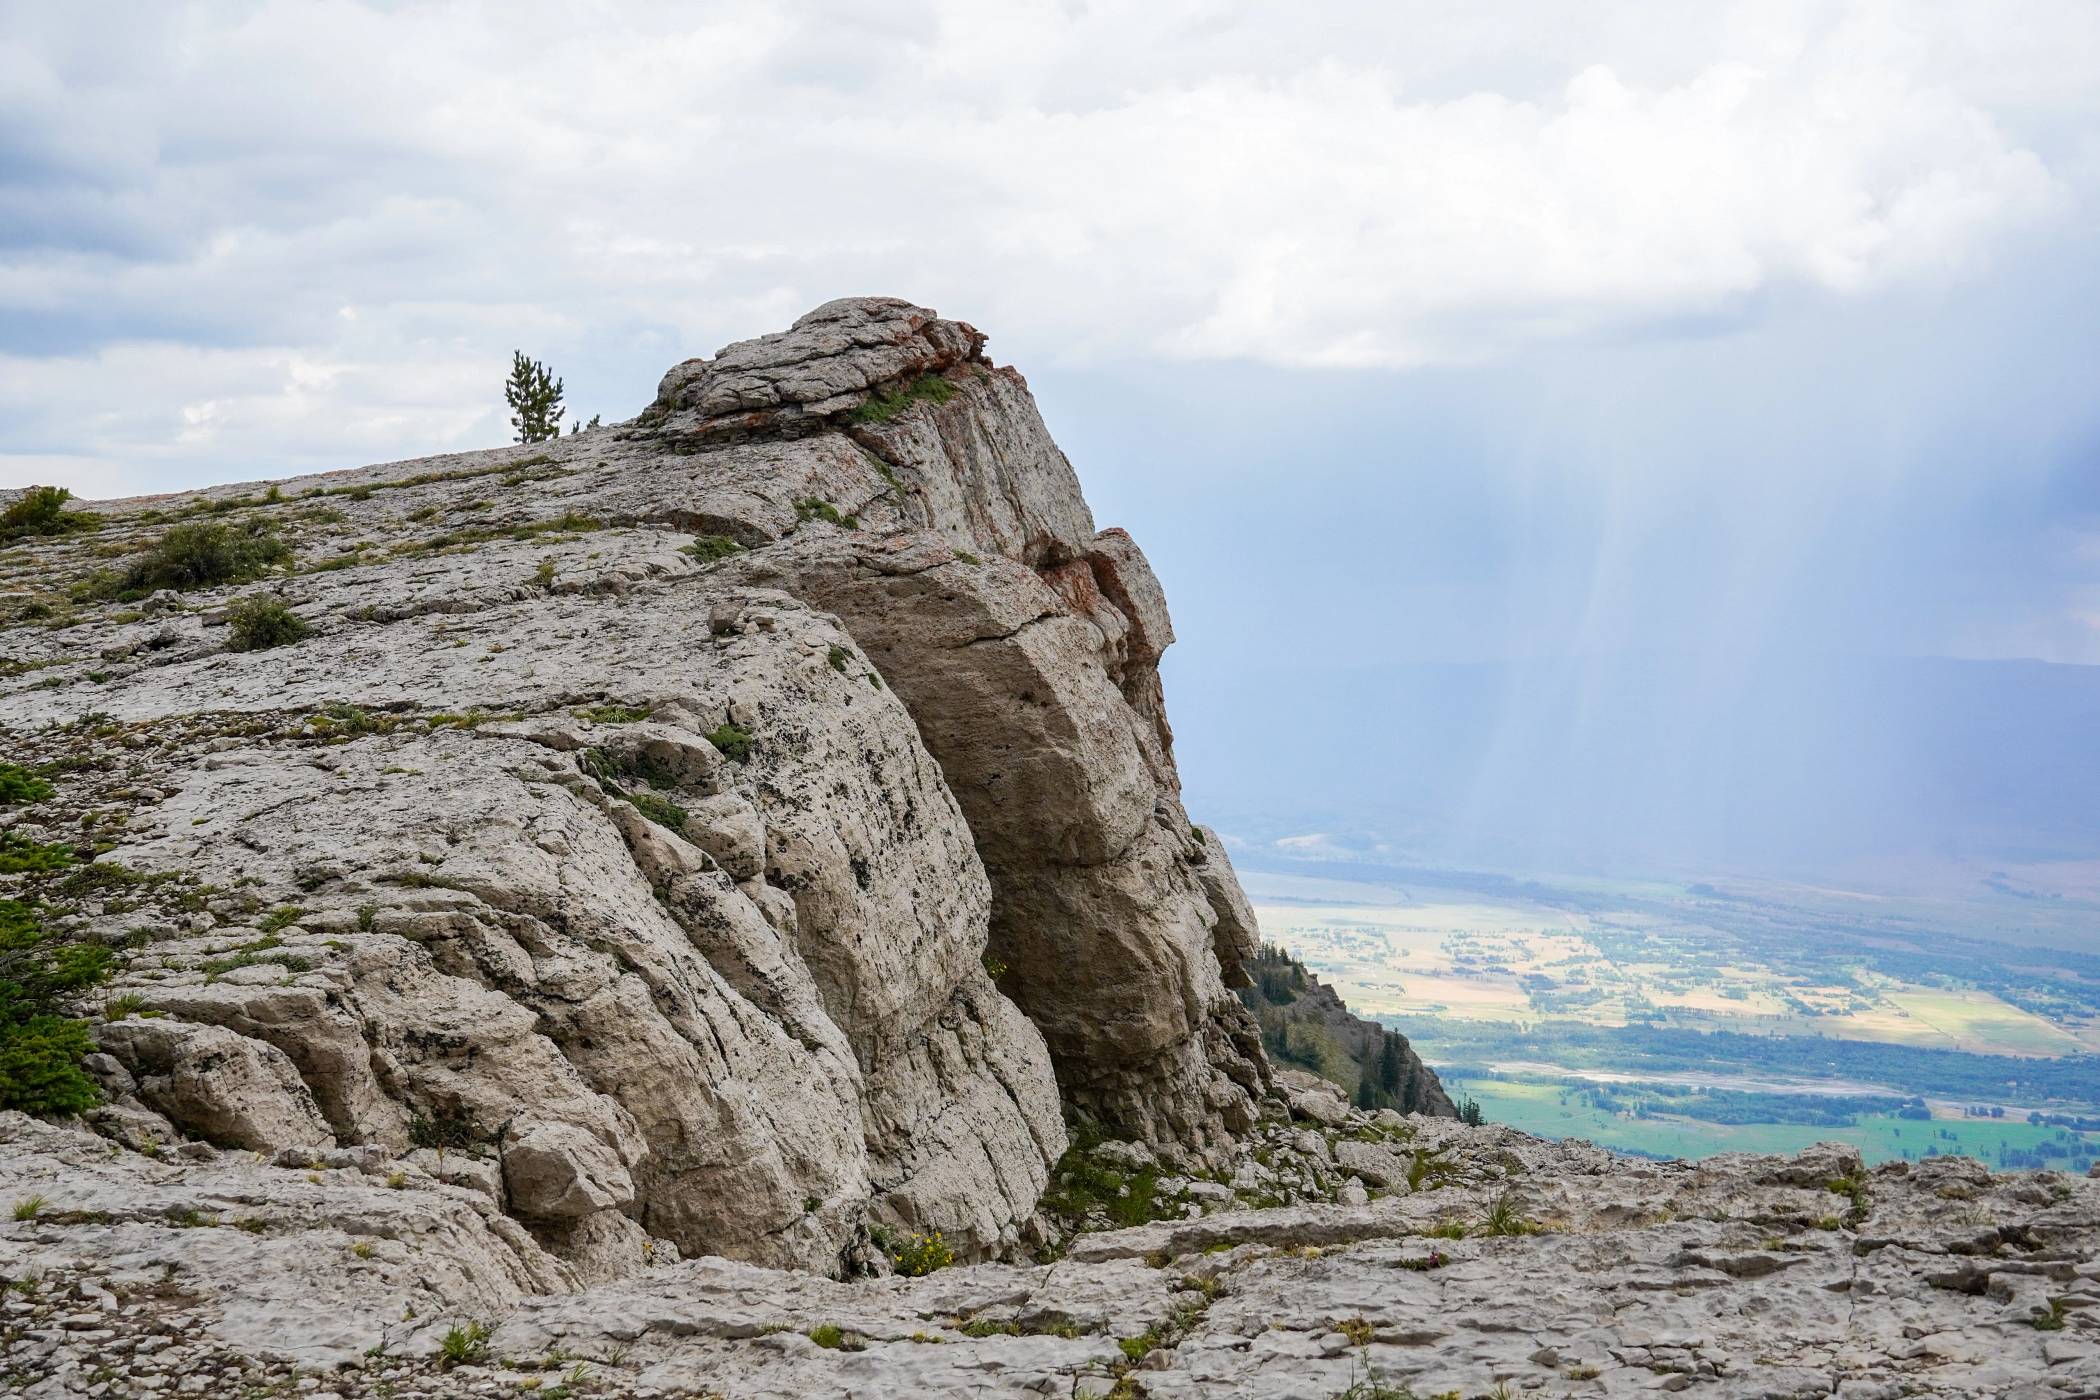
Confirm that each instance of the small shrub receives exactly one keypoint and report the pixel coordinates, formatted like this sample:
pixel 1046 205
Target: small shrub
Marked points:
pixel 981 1327
pixel 543 576
pixel 1357 1330
pixel 964 556
pixel 446 1128
pixel 284 916
pixel 367 916
pixel 260 622
pixel 362 1249
pixel 40 1047
pixel 710 548
pixel 2047 1318
pixel 839 657
pixel 21 855
pixel 18 784
pixel 41 510
pixel 1082 1184
pixel 734 743
pixel 920 1255
pixel 828 1335
pixel 203 554
pixel 29 1207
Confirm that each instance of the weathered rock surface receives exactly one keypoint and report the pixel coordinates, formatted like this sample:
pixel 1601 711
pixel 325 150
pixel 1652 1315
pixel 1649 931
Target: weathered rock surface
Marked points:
pixel 730 832
pixel 1738 1276
pixel 687 859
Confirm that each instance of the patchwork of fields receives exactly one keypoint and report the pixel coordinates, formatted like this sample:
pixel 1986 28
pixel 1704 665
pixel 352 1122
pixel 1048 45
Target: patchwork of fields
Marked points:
pixel 1471 976
pixel 1513 962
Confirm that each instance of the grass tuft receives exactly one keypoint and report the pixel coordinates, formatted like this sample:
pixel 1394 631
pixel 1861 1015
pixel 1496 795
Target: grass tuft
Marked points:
pixel 733 743
pixel 463 1345
pixel 709 549
pixel 881 408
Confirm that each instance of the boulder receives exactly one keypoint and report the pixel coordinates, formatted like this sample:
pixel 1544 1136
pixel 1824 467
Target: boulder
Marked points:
pixel 1377 1165
pixel 556 1171
pixel 225 1088
pixel 1320 1106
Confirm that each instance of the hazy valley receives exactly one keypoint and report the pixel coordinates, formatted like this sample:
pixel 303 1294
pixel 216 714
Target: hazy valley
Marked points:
pixel 1683 1020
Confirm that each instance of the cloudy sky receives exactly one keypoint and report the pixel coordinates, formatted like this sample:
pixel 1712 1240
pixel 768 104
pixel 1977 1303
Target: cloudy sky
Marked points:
pixel 1405 332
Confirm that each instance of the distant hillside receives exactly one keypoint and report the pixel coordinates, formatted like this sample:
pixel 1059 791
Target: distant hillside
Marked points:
pixel 1304 1023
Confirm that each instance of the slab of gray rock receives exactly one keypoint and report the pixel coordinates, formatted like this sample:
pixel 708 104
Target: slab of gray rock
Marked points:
pixel 1619 1277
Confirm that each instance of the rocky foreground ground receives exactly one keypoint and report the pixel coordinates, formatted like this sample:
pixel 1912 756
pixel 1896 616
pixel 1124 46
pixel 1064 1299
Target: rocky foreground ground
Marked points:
pixel 1510 1266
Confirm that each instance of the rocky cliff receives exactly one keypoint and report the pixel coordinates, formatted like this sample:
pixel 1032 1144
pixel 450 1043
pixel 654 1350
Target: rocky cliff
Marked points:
pixel 704 907
pixel 737 828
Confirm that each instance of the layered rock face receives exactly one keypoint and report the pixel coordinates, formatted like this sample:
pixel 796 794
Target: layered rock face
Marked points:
pixel 723 832
pixel 1026 646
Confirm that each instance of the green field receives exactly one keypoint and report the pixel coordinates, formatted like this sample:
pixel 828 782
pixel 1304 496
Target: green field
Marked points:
pixel 1548 1109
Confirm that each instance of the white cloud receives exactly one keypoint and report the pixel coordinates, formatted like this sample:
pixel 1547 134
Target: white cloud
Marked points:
pixel 1307 844
pixel 402 195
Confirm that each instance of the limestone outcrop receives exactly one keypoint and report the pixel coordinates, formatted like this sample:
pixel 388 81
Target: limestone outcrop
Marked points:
pixel 750 830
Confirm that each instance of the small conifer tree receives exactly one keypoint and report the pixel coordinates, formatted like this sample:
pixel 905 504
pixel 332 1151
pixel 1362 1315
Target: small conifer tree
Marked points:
pixel 534 396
